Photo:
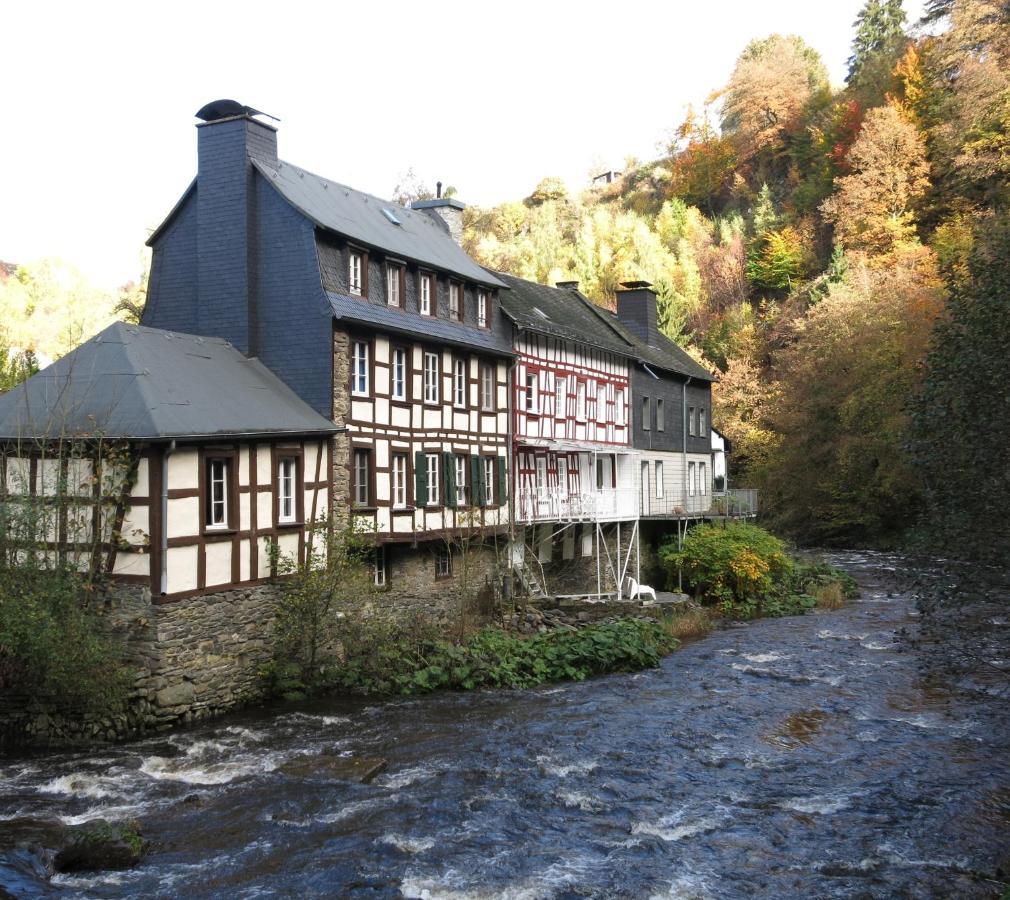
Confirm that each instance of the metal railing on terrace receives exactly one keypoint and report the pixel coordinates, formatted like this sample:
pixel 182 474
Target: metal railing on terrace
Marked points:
pixel 541 505
pixel 738 503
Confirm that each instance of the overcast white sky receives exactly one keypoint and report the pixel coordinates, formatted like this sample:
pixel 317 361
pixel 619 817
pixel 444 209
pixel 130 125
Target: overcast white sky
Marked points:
pixel 97 99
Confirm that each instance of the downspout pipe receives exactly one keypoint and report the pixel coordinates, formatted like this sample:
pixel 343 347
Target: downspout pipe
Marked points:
pixel 164 515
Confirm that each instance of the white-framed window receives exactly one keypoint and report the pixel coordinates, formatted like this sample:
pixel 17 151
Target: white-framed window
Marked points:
pixel 443 563
pixel 646 414
pixel 455 301
pixel 690 420
pixel 394 284
pixel 580 401
pixel 399 485
pixel 379 566
pixel 359 368
pixel 482 309
pixel 489 474
pixel 424 300
pixel 530 396
pixel 702 422
pixel 361 489
pixel 660 414
pixel 459 382
pixel 218 474
pixel 355 268
pixel 702 480
pixel 562 476
pixel 620 410
pixel 287 479
pixel 487 387
pixel 560 396
pixel 399 373
pixel 691 478
pixel 431 376
pixel 601 403
pixel 460 462
pixel 660 487
pixel 434 467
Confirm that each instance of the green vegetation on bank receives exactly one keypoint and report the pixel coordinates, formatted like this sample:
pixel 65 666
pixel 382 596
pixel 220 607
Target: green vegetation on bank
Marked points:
pixel 746 572
pixel 384 658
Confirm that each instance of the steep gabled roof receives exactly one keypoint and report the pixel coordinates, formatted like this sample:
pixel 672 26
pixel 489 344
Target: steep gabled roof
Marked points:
pixel 414 236
pixel 663 354
pixel 561 312
pixel 130 381
pixel 425 328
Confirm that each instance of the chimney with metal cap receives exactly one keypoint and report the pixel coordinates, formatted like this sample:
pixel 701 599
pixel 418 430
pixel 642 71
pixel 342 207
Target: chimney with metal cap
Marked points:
pixel 636 310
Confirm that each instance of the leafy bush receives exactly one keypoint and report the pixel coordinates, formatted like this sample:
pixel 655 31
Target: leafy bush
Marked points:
pixel 52 646
pixel 732 563
pixel 747 572
pixel 382 658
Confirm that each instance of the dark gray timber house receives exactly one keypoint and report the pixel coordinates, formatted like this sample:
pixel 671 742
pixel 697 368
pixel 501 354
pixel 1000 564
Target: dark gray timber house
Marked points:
pixel 376 318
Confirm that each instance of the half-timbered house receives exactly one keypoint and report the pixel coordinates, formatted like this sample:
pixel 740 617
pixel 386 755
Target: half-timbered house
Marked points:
pixel 573 459
pixel 375 316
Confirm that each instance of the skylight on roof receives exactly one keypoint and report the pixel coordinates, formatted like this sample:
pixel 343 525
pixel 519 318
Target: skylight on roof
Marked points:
pixel 541 313
pixel 389 214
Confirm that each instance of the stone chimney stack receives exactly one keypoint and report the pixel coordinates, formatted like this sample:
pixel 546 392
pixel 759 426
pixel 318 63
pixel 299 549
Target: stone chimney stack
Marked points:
pixel 228 139
pixel 636 310
pixel 447 211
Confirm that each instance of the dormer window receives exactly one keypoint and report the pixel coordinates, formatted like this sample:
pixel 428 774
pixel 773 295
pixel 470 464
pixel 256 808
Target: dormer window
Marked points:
pixel 394 284
pixel 355 273
pixel 482 307
pixel 425 293
pixel 455 301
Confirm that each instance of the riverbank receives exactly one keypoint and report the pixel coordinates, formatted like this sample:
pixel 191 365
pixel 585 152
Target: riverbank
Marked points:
pixel 796 756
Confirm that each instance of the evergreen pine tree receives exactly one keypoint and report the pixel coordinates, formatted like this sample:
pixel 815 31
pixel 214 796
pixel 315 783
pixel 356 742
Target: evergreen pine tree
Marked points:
pixel 879 27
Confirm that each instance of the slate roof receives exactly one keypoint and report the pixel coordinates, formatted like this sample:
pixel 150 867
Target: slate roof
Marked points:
pixel 561 312
pixel 664 354
pixel 359 216
pixel 400 321
pixel 142 383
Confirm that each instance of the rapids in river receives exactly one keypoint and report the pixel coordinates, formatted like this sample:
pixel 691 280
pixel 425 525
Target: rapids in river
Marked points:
pixel 799 757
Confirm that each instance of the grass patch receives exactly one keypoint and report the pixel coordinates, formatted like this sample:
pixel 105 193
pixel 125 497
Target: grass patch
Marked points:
pixel 688 624
pixel 830 596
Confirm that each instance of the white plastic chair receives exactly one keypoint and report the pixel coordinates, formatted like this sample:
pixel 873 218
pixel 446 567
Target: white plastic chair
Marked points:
pixel 635 591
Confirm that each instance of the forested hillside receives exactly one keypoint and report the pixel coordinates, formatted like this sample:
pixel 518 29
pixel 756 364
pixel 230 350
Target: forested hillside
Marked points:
pixel 840 256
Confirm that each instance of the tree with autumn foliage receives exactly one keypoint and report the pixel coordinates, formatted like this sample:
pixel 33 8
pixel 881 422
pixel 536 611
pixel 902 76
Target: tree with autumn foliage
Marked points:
pixel 873 208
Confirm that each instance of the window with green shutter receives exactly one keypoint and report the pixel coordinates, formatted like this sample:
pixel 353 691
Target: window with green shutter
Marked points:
pixel 420 479
pixel 449 475
pixel 477 480
pixel 503 483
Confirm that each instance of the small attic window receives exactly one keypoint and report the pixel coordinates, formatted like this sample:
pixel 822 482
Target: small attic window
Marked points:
pixel 541 313
pixel 389 214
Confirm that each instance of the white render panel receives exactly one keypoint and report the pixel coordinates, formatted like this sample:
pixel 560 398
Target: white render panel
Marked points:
pixel 263 463
pixel 132 564
pixel 184 469
pixel 361 410
pixel 181 569
pixel 381 411
pixel 218 558
pixel 136 524
pixel 264 511
pixel 244 521
pixel 183 519
pixel 381 350
pixel 400 417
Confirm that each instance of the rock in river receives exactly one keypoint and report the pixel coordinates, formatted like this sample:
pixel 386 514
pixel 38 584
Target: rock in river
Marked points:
pixel 360 769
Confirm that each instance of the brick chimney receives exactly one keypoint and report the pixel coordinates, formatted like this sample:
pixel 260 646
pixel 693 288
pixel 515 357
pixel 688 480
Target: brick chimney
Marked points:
pixel 227 142
pixel 447 211
pixel 636 310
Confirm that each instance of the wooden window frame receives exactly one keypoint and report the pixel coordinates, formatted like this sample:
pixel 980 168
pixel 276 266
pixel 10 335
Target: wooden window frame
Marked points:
pixel 458 361
pixel 400 271
pixel 620 407
pixel 531 393
pixel 232 512
pixel 369 483
pixel 427 278
pixel 484 309
pixel 464 490
pixel 702 480
pixel 560 393
pixel 491 497
pixel 362 255
pixel 487 371
pixel 580 400
pixel 458 316
pixel 355 343
pixel 440 554
pixel 394 456
pixel 277 455
pixel 405 350
pixel 702 421
pixel 433 475
pixel 691 479
pixel 601 403
pixel 425 354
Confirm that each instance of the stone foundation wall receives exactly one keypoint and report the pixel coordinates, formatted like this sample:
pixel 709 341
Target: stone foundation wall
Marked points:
pixel 579 574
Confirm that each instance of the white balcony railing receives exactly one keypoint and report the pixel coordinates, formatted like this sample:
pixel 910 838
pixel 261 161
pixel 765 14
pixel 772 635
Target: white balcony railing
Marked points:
pixel 542 505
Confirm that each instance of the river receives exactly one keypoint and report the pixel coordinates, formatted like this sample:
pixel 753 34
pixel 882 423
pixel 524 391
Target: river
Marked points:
pixel 800 757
